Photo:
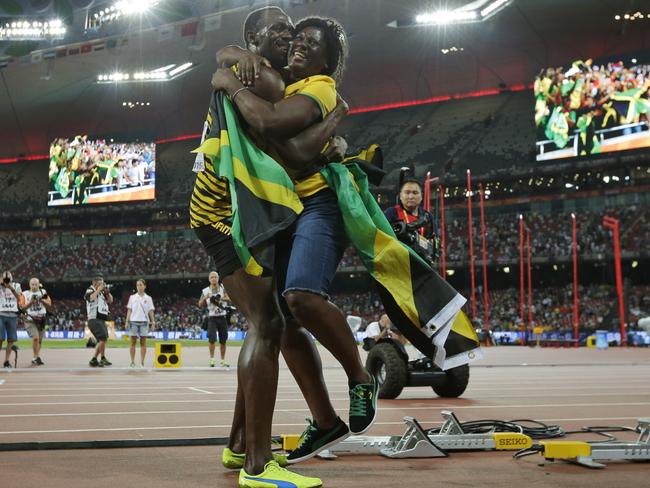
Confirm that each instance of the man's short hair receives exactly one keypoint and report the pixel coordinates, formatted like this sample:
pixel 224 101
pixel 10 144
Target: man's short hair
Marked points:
pixel 250 24
pixel 410 180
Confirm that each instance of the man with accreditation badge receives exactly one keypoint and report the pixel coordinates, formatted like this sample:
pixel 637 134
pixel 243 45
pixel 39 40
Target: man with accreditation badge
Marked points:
pixel 36 300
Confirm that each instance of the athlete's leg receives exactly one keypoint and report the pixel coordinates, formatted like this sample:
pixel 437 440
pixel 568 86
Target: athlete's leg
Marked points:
pixel 257 369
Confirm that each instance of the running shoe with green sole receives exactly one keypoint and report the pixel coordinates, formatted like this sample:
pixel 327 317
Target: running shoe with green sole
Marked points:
pixel 314 440
pixel 274 476
pixel 233 460
pixel 363 406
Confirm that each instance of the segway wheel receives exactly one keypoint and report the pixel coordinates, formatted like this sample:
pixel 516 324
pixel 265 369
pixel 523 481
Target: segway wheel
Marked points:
pixel 388 367
pixel 454 384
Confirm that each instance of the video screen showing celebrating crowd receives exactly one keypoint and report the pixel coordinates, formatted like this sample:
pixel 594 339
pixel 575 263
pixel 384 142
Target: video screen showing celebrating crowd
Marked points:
pixel 84 171
pixel 591 108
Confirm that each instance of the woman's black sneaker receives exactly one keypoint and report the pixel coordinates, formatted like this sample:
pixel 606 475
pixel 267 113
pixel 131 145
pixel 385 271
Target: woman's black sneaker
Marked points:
pixel 363 406
pixel 94 363
pixel 314 440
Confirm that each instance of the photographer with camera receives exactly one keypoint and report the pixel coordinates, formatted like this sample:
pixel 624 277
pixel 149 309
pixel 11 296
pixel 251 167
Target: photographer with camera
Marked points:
pixel 36 300
pixel 11 301
pixel 139 318
pixel 413 225
pixel 98 297
pixel 215 299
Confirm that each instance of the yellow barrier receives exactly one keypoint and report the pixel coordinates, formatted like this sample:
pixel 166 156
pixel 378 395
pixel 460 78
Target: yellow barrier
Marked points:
pixel 168 355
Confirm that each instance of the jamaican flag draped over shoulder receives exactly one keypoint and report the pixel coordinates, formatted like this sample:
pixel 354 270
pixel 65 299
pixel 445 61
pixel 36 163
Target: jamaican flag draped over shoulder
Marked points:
pixel 424 307
pixel 262 194
pixel 420 303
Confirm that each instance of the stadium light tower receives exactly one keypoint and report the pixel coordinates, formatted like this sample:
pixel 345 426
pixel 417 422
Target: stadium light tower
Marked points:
pixel 475 11
pixel 33 30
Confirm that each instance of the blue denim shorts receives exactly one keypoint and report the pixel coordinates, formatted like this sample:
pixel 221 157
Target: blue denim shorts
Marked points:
pixel 308 253
pixel 8 328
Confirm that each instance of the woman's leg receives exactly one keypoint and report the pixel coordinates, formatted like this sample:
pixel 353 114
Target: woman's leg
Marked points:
pixel 318 243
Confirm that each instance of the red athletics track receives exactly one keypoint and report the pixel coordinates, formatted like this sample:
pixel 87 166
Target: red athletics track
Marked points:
pixel 573 388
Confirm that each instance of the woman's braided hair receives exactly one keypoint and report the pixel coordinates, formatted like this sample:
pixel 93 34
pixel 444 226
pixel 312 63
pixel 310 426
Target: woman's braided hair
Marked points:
pixel 336 40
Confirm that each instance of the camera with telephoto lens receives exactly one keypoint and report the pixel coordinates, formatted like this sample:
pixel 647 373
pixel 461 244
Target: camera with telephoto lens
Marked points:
pixel 215 300
pixel 5 279
pixel 107 287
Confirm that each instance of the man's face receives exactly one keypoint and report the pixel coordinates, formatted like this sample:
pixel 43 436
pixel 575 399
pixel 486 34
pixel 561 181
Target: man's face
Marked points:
pixel 410 196
pixel 34 284
pixel 274 33
pixel 98 282
pixel 213 278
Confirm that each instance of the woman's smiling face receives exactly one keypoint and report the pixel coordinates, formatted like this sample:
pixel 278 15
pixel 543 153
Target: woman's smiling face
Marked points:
pixel 308 53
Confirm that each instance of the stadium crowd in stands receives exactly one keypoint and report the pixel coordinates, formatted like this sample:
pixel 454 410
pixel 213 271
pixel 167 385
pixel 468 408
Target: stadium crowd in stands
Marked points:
pixel 589 97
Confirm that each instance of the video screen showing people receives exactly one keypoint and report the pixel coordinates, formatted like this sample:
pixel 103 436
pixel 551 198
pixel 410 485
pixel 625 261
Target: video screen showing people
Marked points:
pixel 591 108
pixel 84 171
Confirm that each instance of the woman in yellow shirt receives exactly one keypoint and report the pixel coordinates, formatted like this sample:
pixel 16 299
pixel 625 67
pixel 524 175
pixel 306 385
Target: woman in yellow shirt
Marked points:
pixel 308 253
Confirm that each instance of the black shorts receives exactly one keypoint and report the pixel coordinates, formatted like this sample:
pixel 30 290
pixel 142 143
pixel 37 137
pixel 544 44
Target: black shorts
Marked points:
pixel 217 325
pixel 218 244
pixel 98 329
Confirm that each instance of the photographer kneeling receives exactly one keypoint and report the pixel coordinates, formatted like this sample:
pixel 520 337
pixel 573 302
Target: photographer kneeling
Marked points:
pixel 36 300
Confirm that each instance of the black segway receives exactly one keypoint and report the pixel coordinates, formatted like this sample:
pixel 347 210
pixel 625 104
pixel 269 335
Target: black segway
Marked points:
pixel 388 359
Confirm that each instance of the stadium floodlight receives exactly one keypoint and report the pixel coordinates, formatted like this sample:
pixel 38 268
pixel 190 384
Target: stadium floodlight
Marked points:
pixel 33 30
pixel 493 8
pixel 163 73
pixel 122 8
pixel 442 17
pixel 474 11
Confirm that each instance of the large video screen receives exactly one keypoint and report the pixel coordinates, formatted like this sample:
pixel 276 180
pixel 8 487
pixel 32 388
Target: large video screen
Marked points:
pixel 591 108
pixel 84 171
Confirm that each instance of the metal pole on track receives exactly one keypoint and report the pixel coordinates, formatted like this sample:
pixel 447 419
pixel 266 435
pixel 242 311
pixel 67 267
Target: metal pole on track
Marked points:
pixel 574 229
pixel 530 282
pixel 486 300
pixel 471 242
pixel 443 242
pixel 613 224
pixel 521 279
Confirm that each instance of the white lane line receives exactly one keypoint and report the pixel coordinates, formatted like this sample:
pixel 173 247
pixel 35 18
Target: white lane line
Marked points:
pixel 288 410
pixel 301 425
pixel 232 390
pixel 480 385
pixel 200 390
pixel 433 400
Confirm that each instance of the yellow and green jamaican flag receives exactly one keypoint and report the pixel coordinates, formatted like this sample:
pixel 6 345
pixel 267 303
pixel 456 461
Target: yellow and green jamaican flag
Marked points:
pixel 263 198
pixel 424 307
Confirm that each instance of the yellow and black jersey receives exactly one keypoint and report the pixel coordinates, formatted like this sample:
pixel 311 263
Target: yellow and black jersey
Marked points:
pixel 210 202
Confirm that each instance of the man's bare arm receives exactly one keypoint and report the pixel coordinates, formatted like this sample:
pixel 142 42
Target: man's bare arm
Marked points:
pixel 305 150
pixel 283 119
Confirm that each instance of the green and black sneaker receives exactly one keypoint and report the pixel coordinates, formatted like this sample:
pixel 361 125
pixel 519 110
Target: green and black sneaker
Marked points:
pixel 363 406
pixel 105 362
pixel 314 440
pixel 94 363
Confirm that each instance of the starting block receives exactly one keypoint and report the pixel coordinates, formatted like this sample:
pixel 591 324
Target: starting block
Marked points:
pixel 416 443
pixel 590 453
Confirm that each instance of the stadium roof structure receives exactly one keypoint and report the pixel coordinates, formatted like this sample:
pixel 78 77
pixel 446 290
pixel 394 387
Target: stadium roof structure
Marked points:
pixel 50 89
